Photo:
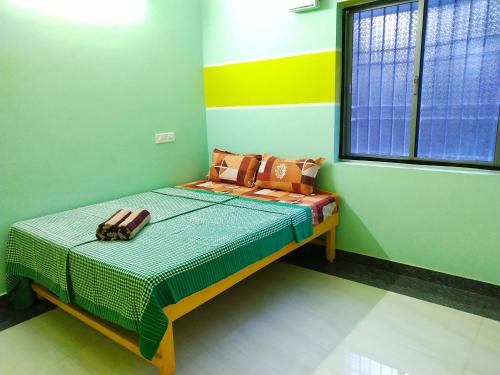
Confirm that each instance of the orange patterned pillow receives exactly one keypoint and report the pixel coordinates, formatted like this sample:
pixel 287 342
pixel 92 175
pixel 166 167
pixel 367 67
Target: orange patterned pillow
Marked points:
pixel 294 175
pixel 234 168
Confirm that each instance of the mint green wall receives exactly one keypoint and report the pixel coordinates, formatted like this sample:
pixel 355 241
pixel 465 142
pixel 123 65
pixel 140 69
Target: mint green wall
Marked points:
pixel 275 129
pixel 445 219
pixel 80 103
pixel 251 29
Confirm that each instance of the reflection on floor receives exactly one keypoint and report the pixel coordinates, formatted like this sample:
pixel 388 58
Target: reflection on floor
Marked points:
pixel 283 320
pixel 456 292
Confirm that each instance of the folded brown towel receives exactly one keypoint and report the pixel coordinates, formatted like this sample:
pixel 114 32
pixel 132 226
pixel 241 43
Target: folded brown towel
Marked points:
pixel 108 230
pixel 128 228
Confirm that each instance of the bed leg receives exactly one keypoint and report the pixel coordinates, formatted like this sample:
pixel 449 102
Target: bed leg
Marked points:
pixel 167 366
pixel 330 245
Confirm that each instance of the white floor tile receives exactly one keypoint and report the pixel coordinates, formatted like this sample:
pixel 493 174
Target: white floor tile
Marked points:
pixel 67 366
pixel 24 349
pixel 402 335
pixel 485 355
pixel 284 320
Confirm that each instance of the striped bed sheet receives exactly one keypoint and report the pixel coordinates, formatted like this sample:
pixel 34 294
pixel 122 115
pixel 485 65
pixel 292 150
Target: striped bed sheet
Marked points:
pixel 322 205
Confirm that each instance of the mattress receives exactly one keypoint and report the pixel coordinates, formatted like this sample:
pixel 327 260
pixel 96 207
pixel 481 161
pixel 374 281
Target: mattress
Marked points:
pixel 322 206
pixel 195 239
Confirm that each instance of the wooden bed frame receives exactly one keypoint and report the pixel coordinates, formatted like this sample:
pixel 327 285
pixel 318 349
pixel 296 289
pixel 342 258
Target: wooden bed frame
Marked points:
pixel 165 356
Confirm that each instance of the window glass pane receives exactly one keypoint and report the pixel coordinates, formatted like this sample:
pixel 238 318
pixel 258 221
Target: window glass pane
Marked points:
pixel 383 52
pixel 460 96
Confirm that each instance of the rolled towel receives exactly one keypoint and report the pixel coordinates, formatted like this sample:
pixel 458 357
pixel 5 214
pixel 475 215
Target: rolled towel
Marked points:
pixel 129 227
pixel 108 230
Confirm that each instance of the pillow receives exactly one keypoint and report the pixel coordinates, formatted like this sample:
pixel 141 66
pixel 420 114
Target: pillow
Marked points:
pixel 294 175
pixel 234 168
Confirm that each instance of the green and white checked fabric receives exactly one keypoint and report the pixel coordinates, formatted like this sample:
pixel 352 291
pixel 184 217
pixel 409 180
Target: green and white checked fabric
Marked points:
pixel 38 248
pixel 208 196
pixel 184 255
pixel 192 244
pixel 300 219
pixel 159 207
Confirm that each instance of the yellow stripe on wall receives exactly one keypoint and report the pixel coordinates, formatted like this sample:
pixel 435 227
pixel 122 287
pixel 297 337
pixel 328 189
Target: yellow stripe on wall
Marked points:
pixel 308 78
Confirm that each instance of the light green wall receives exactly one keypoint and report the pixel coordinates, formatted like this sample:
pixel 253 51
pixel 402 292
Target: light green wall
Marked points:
pixel 440 219
pixel 237 30
pixel 80 103
pixel 275 129
pixel 445 219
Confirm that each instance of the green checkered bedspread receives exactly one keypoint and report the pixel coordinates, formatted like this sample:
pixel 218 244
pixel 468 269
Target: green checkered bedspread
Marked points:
pixel 194 240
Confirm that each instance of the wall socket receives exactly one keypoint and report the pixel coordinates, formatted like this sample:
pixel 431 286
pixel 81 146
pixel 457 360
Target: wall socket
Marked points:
pixel 165 137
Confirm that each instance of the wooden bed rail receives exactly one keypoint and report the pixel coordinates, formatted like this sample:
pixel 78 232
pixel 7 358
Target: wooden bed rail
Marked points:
pixel 165 356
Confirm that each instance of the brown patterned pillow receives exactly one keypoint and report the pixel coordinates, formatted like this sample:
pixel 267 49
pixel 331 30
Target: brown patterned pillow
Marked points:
pixel 234 168
pixel 294 175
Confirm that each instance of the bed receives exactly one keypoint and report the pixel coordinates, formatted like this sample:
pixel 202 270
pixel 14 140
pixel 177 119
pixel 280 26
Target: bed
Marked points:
pixel 203 238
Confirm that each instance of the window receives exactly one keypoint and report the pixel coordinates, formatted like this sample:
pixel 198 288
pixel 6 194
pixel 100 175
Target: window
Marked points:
pixel 422 82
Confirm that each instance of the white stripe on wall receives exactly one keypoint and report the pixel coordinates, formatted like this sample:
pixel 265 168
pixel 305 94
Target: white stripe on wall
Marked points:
pixel 273 106
pixel 272 57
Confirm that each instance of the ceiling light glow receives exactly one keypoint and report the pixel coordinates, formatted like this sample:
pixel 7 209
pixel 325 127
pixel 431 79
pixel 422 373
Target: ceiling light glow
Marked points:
pixel 103 12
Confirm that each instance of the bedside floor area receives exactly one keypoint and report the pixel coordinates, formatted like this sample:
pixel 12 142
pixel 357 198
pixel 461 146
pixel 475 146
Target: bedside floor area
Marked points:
pixel 283 320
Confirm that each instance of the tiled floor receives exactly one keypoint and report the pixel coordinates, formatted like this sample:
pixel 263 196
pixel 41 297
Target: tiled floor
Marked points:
pixel 10 316
pixel 283 320
pixel 446 290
